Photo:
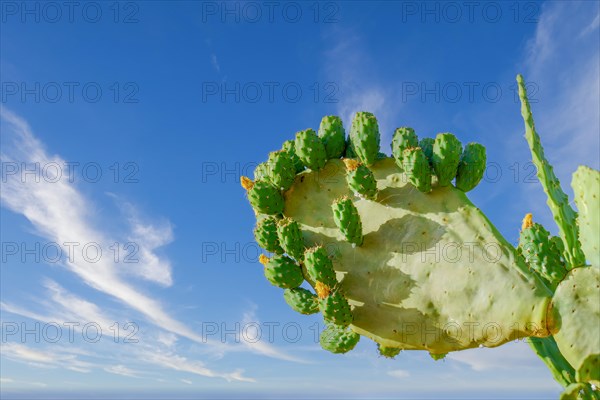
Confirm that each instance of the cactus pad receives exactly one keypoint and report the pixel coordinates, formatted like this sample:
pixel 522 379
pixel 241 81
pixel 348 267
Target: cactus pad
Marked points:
pixel 586 185
pixel 575 304
pixel 333 136
pixel 425 269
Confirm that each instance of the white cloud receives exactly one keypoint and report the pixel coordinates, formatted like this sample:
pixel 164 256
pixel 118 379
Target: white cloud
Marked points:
pixel 45 358
pixel 187 382
pixel 349 66
pixel 509 356
pixel 60 214
pixel 122 370
pixel 180 363
pixel 399 373
pixel 251 339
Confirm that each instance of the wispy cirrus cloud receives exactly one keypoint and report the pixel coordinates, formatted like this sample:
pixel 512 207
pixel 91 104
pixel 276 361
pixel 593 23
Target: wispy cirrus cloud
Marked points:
pixel 61 214
pixel 46 358
pixel 122 370
pixel 350 66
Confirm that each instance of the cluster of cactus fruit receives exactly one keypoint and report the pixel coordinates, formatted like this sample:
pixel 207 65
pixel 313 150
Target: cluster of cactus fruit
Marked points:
pixel 370 235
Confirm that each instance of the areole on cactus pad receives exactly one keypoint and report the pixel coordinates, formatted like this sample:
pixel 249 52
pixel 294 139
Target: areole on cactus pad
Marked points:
pixel 395 252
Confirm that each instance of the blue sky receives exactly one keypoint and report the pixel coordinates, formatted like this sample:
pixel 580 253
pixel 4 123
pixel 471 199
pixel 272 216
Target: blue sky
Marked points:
pixel 151 111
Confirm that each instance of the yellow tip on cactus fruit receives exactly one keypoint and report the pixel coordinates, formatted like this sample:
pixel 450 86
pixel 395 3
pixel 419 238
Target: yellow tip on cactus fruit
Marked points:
pixel 322 290
pixel 351 164
pixel 246 182
pixel 263 259
pixel 527 221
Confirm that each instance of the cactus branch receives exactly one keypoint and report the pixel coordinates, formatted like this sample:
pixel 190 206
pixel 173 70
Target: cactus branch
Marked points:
pixel 564 215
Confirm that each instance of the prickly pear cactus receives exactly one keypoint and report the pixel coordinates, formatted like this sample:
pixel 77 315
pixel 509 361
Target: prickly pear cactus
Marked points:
pixel 412 264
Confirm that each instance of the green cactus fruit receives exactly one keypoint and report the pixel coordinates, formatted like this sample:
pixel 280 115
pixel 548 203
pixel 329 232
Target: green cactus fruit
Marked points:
pixel 282 271
pixel 541 253
pixel 403 139
pixel 319 266
pixel 338 340
pixel 350 153
pixel 576 303
pixel 333 136
pixel 361 179
pixel 290 238
pixel 263 196
pixel 365 138
pixel 438 357
pixel 281 170
pixel 289 147
pixel 586 186
pixel 471 167
pixel 265 234
pixel 447 150
pixel 335 309
pixel 388 352
pixel 427 145
pixel 310 149
pixel 301 300
pixel 261 172
pixel 417 168
pixel 347 220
